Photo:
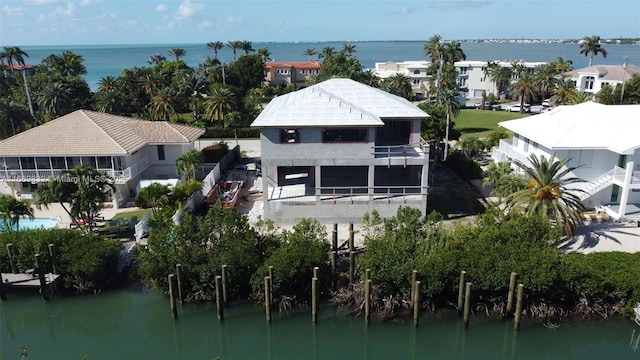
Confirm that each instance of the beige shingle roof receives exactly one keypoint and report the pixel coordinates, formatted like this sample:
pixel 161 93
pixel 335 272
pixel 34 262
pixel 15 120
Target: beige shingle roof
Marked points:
pixel 85 132
pixel 608 72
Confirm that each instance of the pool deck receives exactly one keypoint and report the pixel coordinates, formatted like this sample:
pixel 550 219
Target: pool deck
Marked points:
pixel 55 211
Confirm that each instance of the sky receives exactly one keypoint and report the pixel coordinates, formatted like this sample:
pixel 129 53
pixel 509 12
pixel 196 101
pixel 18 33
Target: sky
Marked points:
pixel 88 22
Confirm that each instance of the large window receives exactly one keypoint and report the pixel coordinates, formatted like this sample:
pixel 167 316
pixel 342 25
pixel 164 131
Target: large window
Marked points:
pixel 289 136
pixel 344 135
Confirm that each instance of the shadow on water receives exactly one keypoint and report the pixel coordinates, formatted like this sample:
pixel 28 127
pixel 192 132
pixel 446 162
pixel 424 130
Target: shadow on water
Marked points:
pixel 135 323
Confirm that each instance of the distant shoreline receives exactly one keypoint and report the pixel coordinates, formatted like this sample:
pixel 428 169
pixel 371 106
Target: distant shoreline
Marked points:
pixel 616 41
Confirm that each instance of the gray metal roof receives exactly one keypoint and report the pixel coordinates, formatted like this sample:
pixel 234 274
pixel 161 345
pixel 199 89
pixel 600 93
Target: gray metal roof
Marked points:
pixel 85 132
pixel 336 102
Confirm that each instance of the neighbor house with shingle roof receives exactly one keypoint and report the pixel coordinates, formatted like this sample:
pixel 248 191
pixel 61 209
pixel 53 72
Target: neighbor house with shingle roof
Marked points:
pixel 601 140
pixel 127 149
pixel 338 149
pixel 590 80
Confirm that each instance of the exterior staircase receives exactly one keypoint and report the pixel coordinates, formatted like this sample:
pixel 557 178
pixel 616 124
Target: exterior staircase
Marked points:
pixel 598 184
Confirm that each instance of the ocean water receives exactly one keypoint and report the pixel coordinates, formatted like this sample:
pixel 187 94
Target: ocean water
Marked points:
pixel 105 60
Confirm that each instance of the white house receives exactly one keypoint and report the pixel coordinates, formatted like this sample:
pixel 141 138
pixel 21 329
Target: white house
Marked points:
pixel 472 80
pixel 127 149
pixel 590 80
pixel 470 76
pixel 338 149
pixel 604 140
pixel 416 71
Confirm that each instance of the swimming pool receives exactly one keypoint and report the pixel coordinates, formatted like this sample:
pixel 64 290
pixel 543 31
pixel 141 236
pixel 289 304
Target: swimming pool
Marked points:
pixel 35 223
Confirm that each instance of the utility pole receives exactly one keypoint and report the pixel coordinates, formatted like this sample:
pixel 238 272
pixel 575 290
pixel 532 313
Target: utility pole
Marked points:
pixel 624 73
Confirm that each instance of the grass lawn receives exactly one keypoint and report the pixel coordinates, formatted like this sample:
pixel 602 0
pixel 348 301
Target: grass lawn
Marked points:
pixel 129 214
pixel 478 123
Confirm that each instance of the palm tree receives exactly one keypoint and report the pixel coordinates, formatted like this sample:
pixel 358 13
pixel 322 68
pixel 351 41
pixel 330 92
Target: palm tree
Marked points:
pixel 66 64
pixel 500 75
pixel 264 54
pixel 162 104
pixel 80 191
pixel 12 209
pixel 189 162
pixel 433 48
pixel 397 84
pixel 503 179
pixel 590 46
pixel 109 101
pixel 233 46
pixel 108 83
pixel 215 46
pixel 13 54
pixel 449 100
pixel 562 66
pixel 246 46
pixel 54 99
pixel 193 85
pixel 310 52
pixel 13 116
pixel 155 196
pixel 545 80
pixel 348 49
pixel 523 89
pixel 452 52
pixel 548 192
pixel 565 89
pixel 219 103
pixel 579 98
pixel 156 59
pixel 177 53
pixel 327 53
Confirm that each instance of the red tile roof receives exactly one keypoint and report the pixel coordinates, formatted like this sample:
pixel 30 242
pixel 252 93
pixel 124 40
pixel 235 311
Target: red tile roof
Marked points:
pixel 293 64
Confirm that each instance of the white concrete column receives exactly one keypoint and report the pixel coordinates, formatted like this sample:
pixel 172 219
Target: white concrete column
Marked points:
pixel 624 197
pixel 317 182
pixel 371 182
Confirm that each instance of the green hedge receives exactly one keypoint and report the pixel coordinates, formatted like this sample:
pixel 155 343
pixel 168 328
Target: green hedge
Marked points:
pixel 85 262
pixel 243 133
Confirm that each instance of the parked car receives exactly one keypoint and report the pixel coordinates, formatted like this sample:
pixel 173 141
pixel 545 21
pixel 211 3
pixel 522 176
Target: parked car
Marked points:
pixel 516 108
pixel 546 103
pixel 488 105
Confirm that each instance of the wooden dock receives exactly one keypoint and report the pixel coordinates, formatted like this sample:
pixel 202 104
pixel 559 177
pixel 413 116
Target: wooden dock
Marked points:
pixel 27 280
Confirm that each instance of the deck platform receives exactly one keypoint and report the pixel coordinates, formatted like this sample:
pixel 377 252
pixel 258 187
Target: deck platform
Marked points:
pixel 27 280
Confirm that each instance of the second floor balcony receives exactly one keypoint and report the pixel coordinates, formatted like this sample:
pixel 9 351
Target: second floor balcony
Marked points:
pixel 24 173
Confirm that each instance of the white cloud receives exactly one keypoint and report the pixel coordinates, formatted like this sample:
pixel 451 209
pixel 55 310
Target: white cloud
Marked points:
pixel 85 3
pixel 40 2
pixel 188 9
pixel 161 7
pixel 13 12
pixel 66 11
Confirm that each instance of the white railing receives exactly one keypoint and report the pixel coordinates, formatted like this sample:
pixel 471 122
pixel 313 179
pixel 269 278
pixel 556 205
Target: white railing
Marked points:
pixel 43 175
pixel 142 228
pixel 507 150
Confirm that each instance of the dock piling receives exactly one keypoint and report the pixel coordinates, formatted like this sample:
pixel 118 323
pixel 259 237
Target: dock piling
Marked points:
pixel 219 307
pixel 224 285
pixel 11 263
pixel 516 320
pixel 43 280
pixel 314 300
pixel 172 297
pixel 267 298
pixel 179 282
pixel 367 300
pixel 467 305
pixel 416 303
pixel 512 285
pixel 461 291
pixel 53 255
pixel 352 266
pixel 414 278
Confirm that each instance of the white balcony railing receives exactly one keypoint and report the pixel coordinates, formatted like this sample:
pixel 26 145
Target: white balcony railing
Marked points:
pixel 42 175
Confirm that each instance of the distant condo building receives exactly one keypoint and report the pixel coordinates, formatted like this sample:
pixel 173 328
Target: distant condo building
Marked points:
pixel 471 78
pixel 286 73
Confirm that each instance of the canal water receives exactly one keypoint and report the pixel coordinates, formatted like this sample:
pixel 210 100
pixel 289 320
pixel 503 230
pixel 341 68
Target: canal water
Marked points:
pixel 137 324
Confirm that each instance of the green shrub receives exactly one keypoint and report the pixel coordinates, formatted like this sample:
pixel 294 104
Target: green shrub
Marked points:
pixel 85 262
pixel 293 261
pixel 463 166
